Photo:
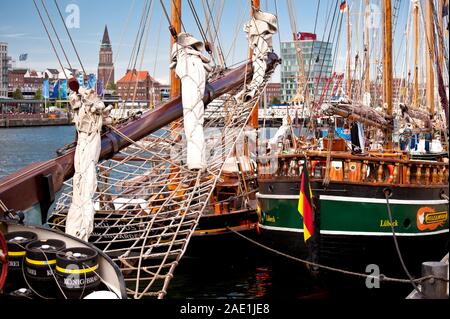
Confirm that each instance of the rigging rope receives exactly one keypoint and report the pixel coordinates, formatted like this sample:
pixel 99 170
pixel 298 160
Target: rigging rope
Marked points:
pixel 143 29
pixel 50 39
pixel 70 36
pixel 56 34
pixel 200 28
pixel 172 30
pixel 336 9
pixel 388 194
pixel 216 36
pixel 158 40
pixel 337 270
pixel 120 42
pixel 314 41
pixel 146 212
pixel 239 23
pixel 178 13
pixel 147 28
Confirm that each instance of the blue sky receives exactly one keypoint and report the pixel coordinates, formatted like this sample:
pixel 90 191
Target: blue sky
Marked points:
pixel 21 28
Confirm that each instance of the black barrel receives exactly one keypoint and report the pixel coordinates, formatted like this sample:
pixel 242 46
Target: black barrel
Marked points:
pixel 77 271
pixel 17 242
pixel 40 262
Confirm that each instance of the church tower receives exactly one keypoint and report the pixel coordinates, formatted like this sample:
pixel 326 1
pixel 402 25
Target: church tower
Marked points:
pixel 105 63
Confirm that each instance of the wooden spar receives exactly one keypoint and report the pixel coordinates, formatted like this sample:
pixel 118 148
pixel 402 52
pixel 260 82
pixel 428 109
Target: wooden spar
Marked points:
pixel 441 27
pixel 175 83
pixel 175 8
pixel 383 5
pixel 429 26
pixel 440 66
pixel 357 112
pixel 366 49
pixel 349 80
pixel 256 5
pixel 387 76
pixel 416 56
pixel 29 181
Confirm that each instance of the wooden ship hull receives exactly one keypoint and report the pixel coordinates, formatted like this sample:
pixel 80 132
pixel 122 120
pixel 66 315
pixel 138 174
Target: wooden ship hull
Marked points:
pixel 214 234
pixel 352 223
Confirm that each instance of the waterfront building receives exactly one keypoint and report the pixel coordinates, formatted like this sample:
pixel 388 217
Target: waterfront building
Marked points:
pixel 4 65
pixel 105 72
pixel 51 74
pixel 27 81
pixel 16 79
pixel 135 85
pixel 140 86
pixel 318 65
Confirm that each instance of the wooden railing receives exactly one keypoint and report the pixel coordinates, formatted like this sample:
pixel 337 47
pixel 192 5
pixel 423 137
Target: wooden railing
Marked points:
pixel 373 169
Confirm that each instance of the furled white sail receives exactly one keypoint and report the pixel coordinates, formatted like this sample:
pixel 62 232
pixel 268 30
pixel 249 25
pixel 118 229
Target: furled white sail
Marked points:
pixel 260 30
pixel 89 113
pixel 191 67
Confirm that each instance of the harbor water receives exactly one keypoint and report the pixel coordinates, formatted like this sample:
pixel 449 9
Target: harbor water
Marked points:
pixel 253 273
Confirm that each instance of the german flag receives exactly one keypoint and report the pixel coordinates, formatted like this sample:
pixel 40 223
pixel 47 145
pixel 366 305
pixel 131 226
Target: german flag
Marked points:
pixel 305 204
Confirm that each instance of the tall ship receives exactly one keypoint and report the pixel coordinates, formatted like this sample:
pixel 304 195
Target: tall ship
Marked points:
pixel 375 197
pixel 142 187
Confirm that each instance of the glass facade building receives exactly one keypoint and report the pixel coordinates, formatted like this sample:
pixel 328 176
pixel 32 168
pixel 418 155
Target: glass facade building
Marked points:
pixel 318 63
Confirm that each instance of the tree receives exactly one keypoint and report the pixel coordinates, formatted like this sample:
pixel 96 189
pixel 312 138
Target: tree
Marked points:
pixel 112 87
pixel 17 94
pixel 275 100
pixel 38 94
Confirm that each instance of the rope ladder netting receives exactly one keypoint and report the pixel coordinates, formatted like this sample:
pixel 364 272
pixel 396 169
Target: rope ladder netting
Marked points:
pixel 148 203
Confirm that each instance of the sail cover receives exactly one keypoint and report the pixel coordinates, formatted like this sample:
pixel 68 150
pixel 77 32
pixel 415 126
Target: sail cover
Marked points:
pixel 191 67
pixel 260 29
pixel 89 112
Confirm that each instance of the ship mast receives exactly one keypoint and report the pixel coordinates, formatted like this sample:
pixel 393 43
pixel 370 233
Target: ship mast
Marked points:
pixel 366 49
pixel 256 5
pixel 387 76
pixel 349 80
pixel 429 56
pixel 175 8
pixel 441 43
pixel 416 55
pixel 175 83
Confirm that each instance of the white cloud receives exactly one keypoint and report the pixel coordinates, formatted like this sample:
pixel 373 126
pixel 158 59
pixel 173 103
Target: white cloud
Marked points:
pixel 13 35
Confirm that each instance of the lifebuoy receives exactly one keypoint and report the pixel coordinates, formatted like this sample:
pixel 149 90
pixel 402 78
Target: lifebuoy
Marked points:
pixel 3 260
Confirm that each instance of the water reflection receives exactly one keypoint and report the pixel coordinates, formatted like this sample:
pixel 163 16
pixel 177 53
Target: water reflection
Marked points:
pixel 20 147
pixel 239 273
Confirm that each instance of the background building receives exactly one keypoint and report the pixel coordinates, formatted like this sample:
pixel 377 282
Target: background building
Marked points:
pixel 318 65
pixel 16 79
pixel 135 85
pixel 105 72
pixel 51 74
pixel 27 81
pixel 146 87
pixel 273 93
pixel 4 65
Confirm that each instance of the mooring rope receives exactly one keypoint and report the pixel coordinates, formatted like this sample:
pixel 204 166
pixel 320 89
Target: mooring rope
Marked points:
pixel 388 194
pixel 380 277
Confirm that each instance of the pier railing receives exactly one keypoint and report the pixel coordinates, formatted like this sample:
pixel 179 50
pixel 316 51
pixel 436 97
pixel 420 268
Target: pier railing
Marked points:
pixel 381 169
